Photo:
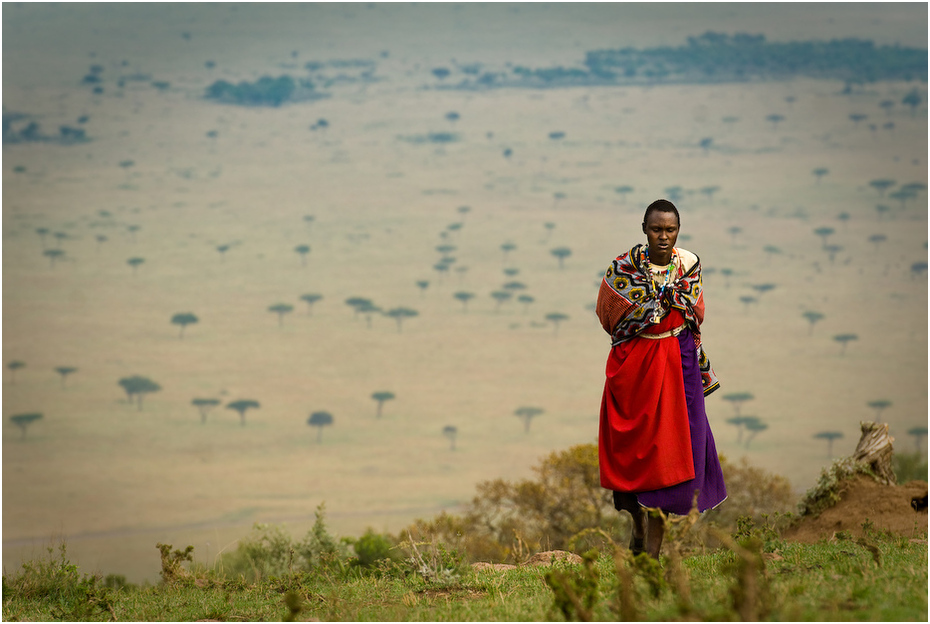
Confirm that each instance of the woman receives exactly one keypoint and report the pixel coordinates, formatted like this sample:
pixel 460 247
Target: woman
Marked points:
pixel 656 447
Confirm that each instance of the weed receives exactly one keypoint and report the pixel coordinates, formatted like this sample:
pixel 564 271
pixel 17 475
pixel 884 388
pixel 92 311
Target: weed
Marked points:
pixel 171 569
pixel 575 594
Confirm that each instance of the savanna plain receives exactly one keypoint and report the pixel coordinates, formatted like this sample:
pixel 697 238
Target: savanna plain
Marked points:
pixel 216 200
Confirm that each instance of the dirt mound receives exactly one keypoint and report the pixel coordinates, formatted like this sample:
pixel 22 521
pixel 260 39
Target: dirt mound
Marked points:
pixel 539 559
pixel 887 507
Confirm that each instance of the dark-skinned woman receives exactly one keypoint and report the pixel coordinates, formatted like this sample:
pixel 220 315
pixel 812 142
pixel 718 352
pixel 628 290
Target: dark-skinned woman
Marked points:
pixel 656 448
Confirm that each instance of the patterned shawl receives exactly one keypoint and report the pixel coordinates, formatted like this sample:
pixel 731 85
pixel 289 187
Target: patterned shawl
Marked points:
pixel 628 301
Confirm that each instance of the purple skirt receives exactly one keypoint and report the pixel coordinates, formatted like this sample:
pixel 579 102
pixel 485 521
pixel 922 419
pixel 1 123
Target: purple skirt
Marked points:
pixel 708 477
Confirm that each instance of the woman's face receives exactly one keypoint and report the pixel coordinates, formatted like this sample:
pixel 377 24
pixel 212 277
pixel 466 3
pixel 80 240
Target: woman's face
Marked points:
pixel 661 230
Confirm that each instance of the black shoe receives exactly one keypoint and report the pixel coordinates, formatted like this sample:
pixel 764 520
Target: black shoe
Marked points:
pixel 637 545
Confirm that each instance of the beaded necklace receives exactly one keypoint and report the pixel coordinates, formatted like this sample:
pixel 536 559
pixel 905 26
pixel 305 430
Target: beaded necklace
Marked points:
pixel 659 287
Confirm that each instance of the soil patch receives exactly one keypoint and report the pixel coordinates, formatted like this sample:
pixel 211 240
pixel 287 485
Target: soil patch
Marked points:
pixel 887 507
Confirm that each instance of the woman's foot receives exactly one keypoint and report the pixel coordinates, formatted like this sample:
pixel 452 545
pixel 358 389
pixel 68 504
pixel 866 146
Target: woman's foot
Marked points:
pixel 637 545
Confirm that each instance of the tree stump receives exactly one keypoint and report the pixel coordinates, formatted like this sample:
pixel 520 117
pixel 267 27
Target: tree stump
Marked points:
pixel 875 450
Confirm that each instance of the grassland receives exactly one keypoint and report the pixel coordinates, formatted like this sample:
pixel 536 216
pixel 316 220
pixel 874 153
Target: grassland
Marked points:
pixel 113 480
pixel 880 578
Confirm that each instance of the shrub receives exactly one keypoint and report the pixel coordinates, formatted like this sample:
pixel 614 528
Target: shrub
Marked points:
pixel 909 467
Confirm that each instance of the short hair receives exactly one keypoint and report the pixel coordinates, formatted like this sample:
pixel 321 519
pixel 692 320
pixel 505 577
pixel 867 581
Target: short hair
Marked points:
pixel 661 205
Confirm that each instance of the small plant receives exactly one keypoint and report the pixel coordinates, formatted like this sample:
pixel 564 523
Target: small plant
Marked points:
pixel 576 593
pixel 171 570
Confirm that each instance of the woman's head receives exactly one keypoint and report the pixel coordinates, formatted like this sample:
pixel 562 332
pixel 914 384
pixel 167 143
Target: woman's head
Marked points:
pixel 661 205
pixel 660 225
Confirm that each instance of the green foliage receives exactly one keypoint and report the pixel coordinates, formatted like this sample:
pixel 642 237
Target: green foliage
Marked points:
pixel 909 467
pixel 575 594
pixel 373 548
pixel 266 91
pixel 24 420
pixel 826 492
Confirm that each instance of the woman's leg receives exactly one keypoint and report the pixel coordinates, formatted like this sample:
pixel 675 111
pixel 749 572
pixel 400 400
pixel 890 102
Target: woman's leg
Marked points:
pixel 655 531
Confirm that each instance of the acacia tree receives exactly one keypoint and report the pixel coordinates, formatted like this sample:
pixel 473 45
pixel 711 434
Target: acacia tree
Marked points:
pixel 135 263
pixel 829 436
pixel 281 309
pixel 526 300
pixel 24 420
pixel 879 405
pixel 555 318
pixel 819 173
pixel 303 250
pixel 450 432
pixel 204 406
pixel 775 119
pixel 358 304
pixel 64 371
pixel 882 185
pixel 53 255
pixel 737 399
pixel 623 191
pixel 919 434
pixel 422 285
pixel 242 406
pixel 824 233
pixel 42 232
pixel 464 297
pixel 812 318
pixel 399 314
pixel 507 248
pixel 138 386
pixel 561 253
pixel 311 298
pixel 500 296
pixel 527 414
pixel 14 366
pixel 222 249
pixel 754 426
pixel 738 422
pixel 877 239
pixel 320 420
pixel 381 397
pixel 843 339
pixel 183 319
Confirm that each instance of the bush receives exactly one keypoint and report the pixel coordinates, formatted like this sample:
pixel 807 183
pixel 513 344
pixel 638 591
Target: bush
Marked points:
pixel 909 467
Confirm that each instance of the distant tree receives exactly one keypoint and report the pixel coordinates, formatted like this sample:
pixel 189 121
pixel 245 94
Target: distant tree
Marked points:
pixel 775 119
pixel 14 366
pixel 738 422
pixel 500 296
pixel 183 319
pixel 913 100
pixel 303 250
pixel 753 426
pixel 358 303
pixel 368 310
pixel 747 300
pixel 844 217
pixel 555 318
pixel 137 386
pixel 829 436
pixel 450 432
pixel 882 210
pixel 919 434
pixel 819 173
pixel 824 233
pixel 511 271
pixel 763 288
pixel 222 249
pixel 918 268
pixel 812 318
pixel 514 286
pixel 100 240
pixel 135 263
pixel 734 232
pixel 527 414
pixel 556 135
pixel 399 314
pixel 464 297
pixel 914 188
pixel 452 116
pixel 623 191
pixel 463 210
pixel 709 191
pixel 441 268
pixel 204 406
pixel 24 420
pixel 311 298
pixel 726 273
pixel 902 195
pixel 242 406
pixel 737 399
pixel 526 300
pixel 320 420
pixel 42 232
pixel 843 339
pixel 422 285
pixel 877 239
pixel 879 405
pixel 705 144
pixel 507 248
pixel 441 72
pixel 561 253
pixel 882 185
pixel 887 105
pixel 857 117
pixel 771 250
pixel 381 397
pixel 673 193
pixel 132 229
pixel 53 255
pixel 832 250
pixel 64 371
pixel 281 309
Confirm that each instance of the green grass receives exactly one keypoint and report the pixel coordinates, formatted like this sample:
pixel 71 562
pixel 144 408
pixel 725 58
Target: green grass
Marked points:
pixel 882 577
